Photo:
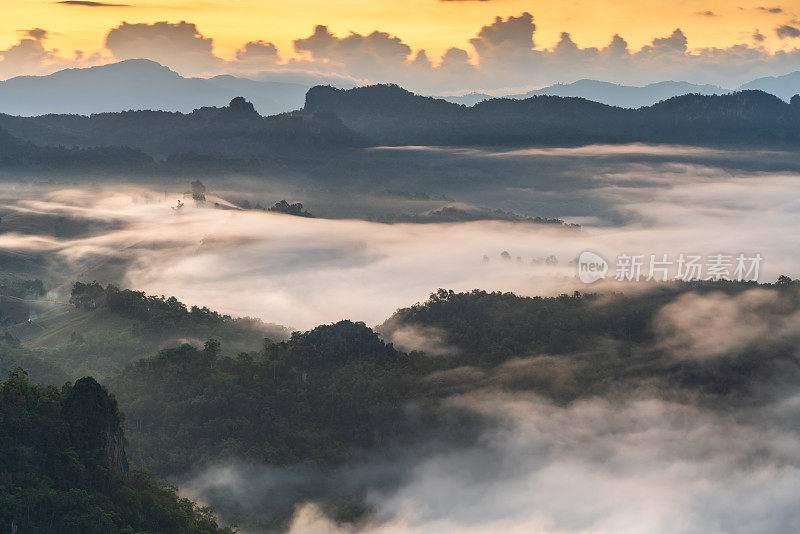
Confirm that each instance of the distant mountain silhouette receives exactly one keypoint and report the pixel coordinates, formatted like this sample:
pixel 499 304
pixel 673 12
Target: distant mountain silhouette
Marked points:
pixel 139 84
pixel 334 122
pixel 391 115
pixel 784 87
pixel 625 96
pixel 233 138
pixel 469 99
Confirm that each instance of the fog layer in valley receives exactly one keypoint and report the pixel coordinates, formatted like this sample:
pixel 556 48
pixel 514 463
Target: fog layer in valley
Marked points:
pixel 538 443
pixel 290 270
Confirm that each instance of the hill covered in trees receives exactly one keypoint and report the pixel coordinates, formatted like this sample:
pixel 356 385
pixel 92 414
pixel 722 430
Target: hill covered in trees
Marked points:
pixel 391 115
pixel 233 138
pixel 322 402
pixel 63 467
pixel 315 396
pixel 104 328
pixel 337 394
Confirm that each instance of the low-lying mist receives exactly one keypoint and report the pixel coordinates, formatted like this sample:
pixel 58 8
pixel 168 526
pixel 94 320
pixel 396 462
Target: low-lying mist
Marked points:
pixel 306 271
pixel 628 437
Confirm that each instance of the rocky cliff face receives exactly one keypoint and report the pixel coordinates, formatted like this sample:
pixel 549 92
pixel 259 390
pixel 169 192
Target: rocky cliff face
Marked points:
pixel 96 424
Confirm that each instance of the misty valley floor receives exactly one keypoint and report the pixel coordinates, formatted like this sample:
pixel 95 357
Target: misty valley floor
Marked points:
pixel 277 368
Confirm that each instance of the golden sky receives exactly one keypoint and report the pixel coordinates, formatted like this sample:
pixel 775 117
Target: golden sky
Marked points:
pixel 431 24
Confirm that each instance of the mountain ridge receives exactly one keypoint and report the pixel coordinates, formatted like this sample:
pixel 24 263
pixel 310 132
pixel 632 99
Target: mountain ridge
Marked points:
pixel 392 115
pixel 142 84
pixel 613 94
pixel 138 84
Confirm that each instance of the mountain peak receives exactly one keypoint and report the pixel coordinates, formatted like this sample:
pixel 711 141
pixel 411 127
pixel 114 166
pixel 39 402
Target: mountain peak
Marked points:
pixel 128 67
pixel 240 106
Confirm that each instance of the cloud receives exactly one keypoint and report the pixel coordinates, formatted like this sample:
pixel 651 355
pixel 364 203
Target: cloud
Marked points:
pixel 430 340
pixel 704 326
pixel 38 34
pixel 632 463
pixel 178 45
pixel 28 56
pixel 617 48
pixel 455 59
pixel 706 13
pixel 421 61
pixel 505 39
pixel 787 32
pixel 87 3
pixel 677 42
pixel 260 51
pixel 771 9
pixel 377 54
pixel 503 58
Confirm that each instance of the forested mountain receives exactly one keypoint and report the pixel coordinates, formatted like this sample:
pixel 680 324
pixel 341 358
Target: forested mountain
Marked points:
pixel 63 467
pixel 311 397
pixel 326 396
pixel 234 131
pixel 394 116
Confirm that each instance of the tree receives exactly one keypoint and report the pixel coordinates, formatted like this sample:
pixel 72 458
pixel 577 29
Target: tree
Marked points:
pixel 290 209
pixel 198 192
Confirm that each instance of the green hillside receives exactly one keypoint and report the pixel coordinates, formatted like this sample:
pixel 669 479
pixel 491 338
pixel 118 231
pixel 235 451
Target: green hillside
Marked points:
pixel 60 340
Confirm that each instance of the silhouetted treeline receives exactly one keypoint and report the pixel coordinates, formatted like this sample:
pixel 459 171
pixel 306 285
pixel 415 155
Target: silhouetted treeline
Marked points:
pixel 228 139
pixel 393 116
pixel 449 214
pixel 236 130
pixel 235 139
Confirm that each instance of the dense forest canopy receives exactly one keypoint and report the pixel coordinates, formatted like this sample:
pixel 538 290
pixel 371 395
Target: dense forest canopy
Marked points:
pixel 63 467
pixel 325 396
pixel 104 328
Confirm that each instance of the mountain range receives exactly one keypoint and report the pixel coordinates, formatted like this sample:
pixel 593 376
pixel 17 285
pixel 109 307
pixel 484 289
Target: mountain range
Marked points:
pixel 391 115
pixel 141 84
pixel 629 96
pixel 624 96
pixel 784 87
pixel 334 122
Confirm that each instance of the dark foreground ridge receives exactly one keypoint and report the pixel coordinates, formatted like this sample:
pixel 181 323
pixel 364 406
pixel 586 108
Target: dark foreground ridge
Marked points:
pixel 63 467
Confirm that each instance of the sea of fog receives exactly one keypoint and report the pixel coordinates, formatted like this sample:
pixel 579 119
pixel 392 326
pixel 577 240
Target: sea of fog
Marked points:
pixel 636 462
pixel 301 272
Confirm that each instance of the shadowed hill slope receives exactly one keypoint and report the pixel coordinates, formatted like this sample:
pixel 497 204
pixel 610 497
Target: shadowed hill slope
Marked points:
pixel 394 116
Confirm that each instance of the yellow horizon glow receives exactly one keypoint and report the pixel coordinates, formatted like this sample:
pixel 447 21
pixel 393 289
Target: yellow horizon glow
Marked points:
pixel 433 25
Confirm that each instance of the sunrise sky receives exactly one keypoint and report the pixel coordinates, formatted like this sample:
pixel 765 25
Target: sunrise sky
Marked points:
pixel 424 45
pixel 431 24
